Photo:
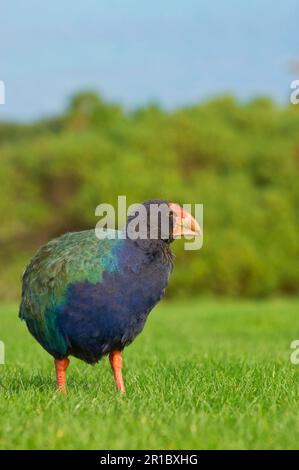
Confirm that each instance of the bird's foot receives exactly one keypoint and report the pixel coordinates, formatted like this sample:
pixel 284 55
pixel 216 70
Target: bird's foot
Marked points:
pixel 61 366
pixel 116 364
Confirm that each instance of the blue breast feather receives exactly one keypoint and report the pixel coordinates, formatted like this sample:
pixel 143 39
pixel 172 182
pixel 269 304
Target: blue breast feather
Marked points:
pixel 99 318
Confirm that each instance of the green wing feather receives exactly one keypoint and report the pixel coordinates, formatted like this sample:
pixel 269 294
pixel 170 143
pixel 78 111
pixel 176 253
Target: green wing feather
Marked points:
pixel 73 257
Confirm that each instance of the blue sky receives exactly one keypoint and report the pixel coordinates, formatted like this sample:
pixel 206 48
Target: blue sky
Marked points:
pixel 174 52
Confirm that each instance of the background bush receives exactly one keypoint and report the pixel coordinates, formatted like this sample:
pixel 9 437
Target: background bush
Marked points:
pixel 240 160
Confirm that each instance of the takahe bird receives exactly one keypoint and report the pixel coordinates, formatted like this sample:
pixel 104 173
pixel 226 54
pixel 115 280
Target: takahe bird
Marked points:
pixel 88 297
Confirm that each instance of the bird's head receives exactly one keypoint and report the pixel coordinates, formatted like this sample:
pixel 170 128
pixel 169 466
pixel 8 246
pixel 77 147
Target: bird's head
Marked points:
pixel 161 220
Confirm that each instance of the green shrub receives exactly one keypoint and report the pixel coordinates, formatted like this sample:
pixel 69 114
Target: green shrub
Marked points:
pixel 240 161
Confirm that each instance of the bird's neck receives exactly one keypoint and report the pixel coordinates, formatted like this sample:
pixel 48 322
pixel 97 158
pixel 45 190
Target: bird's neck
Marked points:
pixel 156 249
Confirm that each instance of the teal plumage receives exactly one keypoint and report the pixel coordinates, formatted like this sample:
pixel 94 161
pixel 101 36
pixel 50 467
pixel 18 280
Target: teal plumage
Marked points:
pixel 71 258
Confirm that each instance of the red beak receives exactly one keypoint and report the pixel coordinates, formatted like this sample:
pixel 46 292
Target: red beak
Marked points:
pixel 185 224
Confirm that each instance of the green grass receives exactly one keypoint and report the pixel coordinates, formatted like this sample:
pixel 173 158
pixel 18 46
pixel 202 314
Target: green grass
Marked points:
pixel 201 375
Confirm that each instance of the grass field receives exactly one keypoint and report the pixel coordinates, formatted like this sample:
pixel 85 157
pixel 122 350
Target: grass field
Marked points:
pixel 202 375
